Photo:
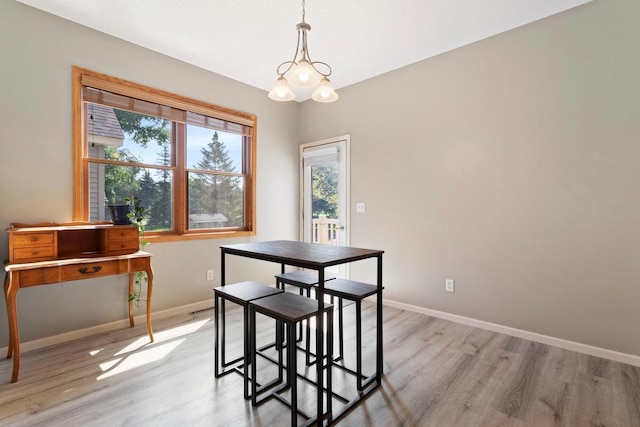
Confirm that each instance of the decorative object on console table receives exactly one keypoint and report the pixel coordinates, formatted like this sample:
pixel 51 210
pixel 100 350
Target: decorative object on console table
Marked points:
pixel 120 214
pixel 137 217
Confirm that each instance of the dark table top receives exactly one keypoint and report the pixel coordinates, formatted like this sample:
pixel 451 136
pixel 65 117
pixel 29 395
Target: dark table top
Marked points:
pixel 300 254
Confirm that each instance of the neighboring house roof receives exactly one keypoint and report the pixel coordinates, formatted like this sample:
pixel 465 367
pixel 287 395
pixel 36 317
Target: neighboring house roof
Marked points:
pixel 104 122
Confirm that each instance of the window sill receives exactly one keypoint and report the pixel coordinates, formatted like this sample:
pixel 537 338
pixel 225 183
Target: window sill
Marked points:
pixel 160 238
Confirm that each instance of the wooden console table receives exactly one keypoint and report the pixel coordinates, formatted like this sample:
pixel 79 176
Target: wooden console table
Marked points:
pixel 45 254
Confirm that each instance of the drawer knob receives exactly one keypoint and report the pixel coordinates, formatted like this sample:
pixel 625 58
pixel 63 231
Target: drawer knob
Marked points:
pixel 85 270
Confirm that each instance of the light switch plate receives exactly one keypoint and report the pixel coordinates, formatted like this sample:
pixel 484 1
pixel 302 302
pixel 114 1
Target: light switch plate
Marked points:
pixel 449 285
pixel 360 208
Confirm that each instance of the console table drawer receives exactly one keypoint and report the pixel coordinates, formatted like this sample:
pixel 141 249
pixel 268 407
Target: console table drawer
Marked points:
pixel 122 240
pixel 88 270
pixel 122 233
pixel 35 253
pixel 33 239
pixel 117 246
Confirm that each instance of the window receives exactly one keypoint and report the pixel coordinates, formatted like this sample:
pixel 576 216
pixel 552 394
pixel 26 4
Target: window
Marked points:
pixel 191 164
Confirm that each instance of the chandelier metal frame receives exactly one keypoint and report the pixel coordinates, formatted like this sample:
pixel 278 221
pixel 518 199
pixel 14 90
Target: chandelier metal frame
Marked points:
pixel 303 70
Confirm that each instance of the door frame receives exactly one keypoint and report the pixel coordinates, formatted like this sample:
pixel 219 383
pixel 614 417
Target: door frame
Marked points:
pixel 345 165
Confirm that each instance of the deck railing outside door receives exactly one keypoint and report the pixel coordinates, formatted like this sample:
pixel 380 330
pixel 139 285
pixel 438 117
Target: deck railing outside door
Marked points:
pixel 325 230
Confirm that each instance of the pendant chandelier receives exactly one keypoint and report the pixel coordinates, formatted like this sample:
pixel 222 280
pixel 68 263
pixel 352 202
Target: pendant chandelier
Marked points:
pixel 303 72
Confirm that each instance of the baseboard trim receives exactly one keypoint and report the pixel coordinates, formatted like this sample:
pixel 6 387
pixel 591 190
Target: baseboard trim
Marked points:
pixel 106 327
pixel 629 359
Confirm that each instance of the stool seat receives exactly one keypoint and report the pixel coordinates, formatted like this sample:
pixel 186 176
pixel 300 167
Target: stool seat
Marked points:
pixel 301 278
pixel 288 307
pixel 243 292
pixel 349 289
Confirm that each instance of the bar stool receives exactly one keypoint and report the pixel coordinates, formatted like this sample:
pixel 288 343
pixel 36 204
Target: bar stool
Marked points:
pixel 305 280
pixel 289 309
pixel 242 294
pixel 351 290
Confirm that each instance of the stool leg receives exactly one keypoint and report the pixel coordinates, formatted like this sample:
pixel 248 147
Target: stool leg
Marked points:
pixel 292 372
pixel 223 337
pixel 300 323
pixel 217 339
pixel 329 359
pixel 280 331
pixel 248 350
pixel 282 336
pixel 279 336
pixel 252 337
pixel 340 330
pixel 308 345
pixel 358 344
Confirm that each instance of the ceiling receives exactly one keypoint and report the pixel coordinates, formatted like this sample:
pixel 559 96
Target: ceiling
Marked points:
pixel 247 39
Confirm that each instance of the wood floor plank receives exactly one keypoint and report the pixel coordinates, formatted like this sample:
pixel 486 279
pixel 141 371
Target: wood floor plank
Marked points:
pixel 630 392
pixel 555 397
pixel 517 397
pixel 437 373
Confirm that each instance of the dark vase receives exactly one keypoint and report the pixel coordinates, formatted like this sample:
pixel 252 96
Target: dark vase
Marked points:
pixel 119 214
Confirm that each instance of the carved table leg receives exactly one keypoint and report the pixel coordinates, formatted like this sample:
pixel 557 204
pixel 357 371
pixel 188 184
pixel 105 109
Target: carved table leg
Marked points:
pixel 131 324
pixel 11 287
pixel 6 290
pixel 149 272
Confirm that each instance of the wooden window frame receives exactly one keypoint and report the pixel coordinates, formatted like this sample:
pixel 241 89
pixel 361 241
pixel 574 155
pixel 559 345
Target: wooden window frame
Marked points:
pixel 82 77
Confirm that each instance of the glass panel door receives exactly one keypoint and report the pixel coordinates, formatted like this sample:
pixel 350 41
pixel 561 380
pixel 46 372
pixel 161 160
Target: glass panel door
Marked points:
pixel 324 194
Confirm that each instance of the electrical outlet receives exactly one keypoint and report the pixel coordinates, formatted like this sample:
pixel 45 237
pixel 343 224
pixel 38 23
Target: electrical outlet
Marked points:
pixel 449 285
pixel 209 274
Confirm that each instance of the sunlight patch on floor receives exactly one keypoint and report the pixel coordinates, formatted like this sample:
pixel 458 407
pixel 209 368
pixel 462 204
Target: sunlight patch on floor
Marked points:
pixel 110 364
pixel 141 358
pixel 163 336
pixel 141 351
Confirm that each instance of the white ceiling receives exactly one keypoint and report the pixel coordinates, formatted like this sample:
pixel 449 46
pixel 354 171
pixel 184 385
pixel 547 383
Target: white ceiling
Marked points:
pixel 247 39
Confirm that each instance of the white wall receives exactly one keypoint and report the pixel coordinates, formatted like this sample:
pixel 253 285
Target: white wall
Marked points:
pixel 38 51
pixel 511 166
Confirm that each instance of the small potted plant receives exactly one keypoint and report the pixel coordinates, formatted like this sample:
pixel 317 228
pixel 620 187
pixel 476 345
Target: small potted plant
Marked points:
pixel 120 214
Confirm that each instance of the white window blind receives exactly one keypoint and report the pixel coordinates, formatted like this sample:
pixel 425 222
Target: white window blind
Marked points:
pixel 320 156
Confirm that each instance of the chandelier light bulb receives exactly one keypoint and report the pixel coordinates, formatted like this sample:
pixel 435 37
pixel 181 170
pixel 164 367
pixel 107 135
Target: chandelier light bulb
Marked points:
pixel 325 92
pixel 281 91
pixel 303 75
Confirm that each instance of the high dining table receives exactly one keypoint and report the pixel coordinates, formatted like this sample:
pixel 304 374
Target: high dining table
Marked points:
pixel 317 257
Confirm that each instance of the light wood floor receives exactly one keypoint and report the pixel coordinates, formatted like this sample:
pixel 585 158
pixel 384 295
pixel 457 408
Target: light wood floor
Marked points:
pixel 437 373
